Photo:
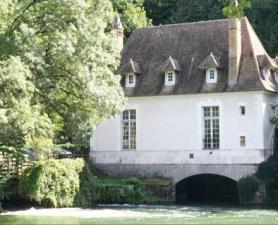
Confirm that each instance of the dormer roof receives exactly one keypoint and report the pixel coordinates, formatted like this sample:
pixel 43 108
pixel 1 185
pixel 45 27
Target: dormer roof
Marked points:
pixel 210 62
pixel 170 64
pixel 130 67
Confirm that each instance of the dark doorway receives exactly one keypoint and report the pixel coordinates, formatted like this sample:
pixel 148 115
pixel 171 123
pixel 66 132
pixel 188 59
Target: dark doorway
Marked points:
pixel 207 188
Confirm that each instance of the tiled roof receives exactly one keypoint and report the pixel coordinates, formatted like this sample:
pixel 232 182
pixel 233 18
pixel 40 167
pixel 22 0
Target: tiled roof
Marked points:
pixel 189 45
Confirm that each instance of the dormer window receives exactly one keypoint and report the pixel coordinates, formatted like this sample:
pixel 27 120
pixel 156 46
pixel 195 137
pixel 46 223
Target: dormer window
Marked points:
pixel 211 75
pixel 170 78
pixel 130 80
pixel 211 65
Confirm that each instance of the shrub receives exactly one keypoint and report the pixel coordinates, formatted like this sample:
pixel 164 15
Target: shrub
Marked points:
pixel 57 183
pixel 268 173
pixel 119 191
pixel 267 176
pixel 248 186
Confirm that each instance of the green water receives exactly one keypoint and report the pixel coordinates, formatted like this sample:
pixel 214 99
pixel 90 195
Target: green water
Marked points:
pixel 142 215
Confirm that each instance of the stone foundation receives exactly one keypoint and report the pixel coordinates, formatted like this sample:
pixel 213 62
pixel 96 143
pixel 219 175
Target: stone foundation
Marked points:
pixel 177 172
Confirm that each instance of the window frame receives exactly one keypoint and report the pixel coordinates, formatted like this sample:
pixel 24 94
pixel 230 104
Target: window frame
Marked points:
pixel 211 128
pixel 127 124
pixel 127 80
pixel 171 82
pixel 210 80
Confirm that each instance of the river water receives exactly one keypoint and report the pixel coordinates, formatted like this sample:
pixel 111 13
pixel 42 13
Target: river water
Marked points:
pixel 127 214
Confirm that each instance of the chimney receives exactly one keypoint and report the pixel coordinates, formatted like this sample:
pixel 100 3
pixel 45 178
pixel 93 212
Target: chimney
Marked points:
pixel 118 32
pixel 234 50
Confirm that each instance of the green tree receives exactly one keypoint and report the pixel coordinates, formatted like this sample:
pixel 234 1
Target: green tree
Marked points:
pixel 71 57
pixel 21 122
pixel 235 9
pixel 132 13
pixel 264 18
pixel 161 11
pixel 197 10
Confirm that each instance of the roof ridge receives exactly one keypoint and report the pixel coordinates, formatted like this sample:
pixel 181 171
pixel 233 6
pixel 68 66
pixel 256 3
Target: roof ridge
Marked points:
pixel 182 24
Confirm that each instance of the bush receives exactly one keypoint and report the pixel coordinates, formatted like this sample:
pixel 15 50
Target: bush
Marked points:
pixel 119 191
pixel 248 186
pixel 268 174
pixel 267 177
pixel 58 183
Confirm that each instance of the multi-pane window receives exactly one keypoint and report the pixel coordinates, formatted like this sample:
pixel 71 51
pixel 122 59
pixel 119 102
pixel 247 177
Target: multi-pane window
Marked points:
pixel 129 129
pixel 211 134
pixel 130 80
pixel 170 78
pixel 211 75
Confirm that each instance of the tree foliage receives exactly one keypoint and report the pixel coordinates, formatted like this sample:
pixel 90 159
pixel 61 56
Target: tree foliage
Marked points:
pixel 65 59
pixel 235 9
pixel 57 183
pixel 21 121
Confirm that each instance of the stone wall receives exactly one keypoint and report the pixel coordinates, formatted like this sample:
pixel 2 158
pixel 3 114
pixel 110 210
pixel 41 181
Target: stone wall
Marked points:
pixel 176 172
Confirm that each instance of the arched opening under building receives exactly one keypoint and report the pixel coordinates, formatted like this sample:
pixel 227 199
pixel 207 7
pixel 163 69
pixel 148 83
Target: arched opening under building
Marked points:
pixel 207 188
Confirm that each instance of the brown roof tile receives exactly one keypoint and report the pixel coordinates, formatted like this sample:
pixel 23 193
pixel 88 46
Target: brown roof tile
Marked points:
pixel 190 44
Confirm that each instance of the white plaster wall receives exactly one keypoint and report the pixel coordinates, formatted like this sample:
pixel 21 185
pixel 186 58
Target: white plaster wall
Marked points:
pixel 169 128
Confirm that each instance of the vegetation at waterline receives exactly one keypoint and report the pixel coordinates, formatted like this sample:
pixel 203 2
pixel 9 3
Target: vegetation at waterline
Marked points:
pixel 70 182
pixel 58 183
pixel 261 187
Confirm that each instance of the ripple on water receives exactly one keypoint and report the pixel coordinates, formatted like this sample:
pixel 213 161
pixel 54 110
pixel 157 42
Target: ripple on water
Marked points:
pixel 164 214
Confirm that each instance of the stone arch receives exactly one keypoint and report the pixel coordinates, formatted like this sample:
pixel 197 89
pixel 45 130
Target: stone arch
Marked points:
pixel 207 187
pixel 233 171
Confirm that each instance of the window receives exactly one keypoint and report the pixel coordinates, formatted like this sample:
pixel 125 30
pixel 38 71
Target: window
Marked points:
pixel 170 78
pixel 130 80
pixel 129 129
pixel 211 134
pixel 242 110
pixel 242 141
pixel 211 75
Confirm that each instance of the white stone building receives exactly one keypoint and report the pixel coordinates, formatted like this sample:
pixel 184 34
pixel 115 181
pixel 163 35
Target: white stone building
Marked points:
pixel 199 99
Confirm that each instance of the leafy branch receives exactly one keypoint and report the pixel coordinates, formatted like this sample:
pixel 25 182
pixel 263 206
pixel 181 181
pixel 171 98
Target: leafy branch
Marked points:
pixel 236 9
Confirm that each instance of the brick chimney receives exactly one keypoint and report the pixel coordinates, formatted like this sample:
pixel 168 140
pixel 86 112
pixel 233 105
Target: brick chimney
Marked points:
pixel 118 32
pixel 234 50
